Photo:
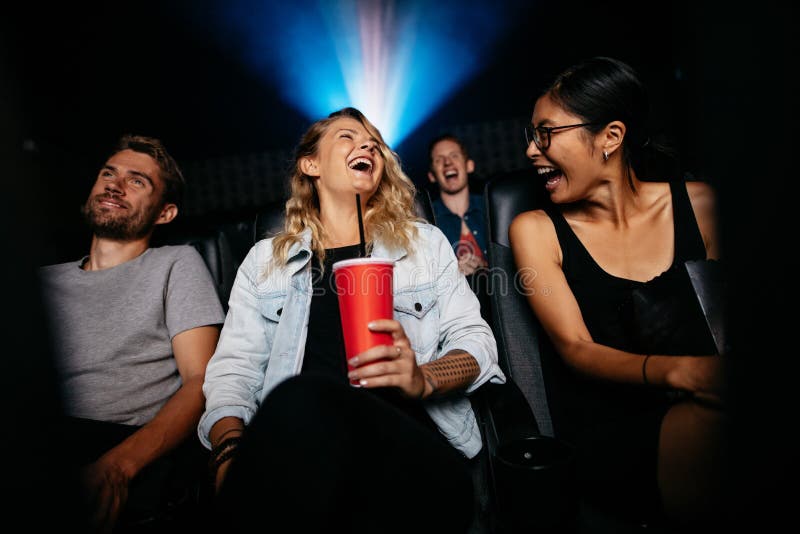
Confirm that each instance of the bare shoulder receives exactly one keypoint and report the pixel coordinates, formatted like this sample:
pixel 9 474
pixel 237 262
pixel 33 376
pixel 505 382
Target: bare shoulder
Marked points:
pixel 534 223
pixel 531 219
pixel 532 237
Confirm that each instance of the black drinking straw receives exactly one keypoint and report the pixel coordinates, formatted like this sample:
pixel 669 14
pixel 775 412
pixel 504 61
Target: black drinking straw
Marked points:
pixel 362 249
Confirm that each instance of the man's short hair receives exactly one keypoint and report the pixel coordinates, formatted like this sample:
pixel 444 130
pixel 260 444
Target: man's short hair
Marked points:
pixel 171 175
pixel 447 137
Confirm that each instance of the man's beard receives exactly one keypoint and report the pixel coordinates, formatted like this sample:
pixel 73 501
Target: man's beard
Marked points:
pixel 123 226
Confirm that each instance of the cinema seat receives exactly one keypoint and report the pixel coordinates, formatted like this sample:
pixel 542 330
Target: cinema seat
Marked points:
pixel 214 246
pixel 516 327
pixel 531 470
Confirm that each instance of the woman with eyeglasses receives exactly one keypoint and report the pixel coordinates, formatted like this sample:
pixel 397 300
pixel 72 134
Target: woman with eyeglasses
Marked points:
pixel 634 378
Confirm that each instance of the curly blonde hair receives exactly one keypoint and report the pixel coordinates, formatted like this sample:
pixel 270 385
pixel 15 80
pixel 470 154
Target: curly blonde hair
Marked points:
pixel 389 216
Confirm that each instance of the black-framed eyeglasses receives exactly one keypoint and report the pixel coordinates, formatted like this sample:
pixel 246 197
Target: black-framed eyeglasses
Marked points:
pixel 540 135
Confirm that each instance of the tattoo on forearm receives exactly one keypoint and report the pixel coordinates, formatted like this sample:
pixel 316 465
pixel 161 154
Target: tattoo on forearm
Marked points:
pixel 451 371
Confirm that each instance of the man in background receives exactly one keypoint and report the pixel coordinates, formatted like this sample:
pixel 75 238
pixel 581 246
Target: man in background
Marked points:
pixel 459 214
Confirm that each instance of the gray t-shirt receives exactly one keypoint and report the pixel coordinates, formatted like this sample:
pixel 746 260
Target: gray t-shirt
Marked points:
pixel 113 330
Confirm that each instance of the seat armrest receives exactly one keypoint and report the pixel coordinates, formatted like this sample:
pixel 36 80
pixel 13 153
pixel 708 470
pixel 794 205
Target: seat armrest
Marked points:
pixel 531 476
pixel 504 414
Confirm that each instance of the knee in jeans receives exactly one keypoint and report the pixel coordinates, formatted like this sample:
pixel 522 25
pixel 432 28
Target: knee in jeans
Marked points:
pixel 302 398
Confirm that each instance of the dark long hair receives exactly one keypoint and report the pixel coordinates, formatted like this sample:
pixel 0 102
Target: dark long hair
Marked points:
pixel 601 90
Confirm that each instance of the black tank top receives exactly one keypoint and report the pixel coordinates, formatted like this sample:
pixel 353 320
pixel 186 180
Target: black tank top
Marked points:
pixel 614 426
pixel 324 354
pixel 601 295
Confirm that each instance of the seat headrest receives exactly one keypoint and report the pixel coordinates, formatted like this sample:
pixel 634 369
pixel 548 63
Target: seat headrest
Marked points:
pixel 269 220
pixel 423 206
pixel 509 194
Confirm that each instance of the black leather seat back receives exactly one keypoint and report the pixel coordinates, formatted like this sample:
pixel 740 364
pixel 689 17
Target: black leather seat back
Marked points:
pixel 508 195
pixel 423 206
pixel 269 220
pixel 215 249
pixel 516 328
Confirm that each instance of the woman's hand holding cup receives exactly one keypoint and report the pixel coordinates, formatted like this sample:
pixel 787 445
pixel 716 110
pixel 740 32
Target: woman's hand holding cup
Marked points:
pixel 389 365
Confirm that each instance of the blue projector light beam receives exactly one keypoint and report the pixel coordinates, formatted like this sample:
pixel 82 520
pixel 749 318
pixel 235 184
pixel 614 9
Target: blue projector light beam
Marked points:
pixel 395 61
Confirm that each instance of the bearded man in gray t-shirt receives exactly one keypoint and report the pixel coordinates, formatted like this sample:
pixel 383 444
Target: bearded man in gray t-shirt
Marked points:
pixel 134 328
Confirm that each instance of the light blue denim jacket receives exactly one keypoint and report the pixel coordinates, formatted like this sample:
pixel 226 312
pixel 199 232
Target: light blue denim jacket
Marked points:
pixel 264 336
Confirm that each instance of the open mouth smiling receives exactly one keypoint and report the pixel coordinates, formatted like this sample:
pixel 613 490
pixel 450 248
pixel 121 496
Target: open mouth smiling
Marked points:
pixel 552 176
pixel 361 164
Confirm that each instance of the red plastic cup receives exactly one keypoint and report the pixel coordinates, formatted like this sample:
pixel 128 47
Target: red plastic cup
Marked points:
pixel 364 287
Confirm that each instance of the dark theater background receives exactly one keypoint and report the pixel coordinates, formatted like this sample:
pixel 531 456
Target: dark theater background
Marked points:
pixel 230 86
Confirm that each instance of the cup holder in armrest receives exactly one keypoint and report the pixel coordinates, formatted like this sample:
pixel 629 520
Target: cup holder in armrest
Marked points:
pixel 535 485
pixel 533 475
pixel 535 453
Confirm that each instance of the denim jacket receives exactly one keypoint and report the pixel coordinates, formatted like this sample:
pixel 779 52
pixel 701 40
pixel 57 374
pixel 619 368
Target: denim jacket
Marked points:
pixel 264 336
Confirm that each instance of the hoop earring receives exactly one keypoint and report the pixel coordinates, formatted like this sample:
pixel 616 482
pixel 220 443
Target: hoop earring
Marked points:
pixel 605 155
